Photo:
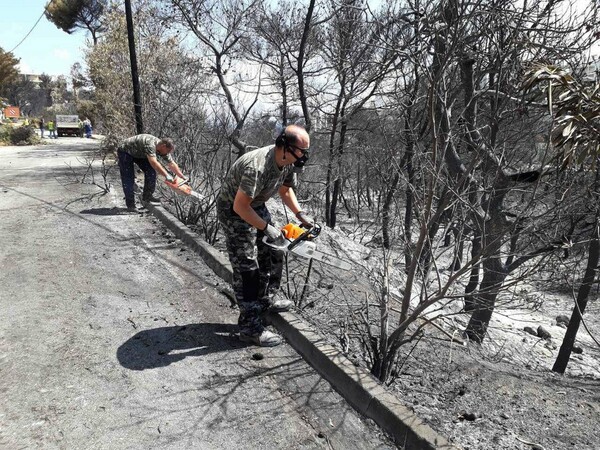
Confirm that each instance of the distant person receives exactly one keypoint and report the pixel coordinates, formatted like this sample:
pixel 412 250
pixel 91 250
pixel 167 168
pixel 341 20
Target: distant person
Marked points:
pixel 87 128
pixel 253 179
pixel 80 128
pixel 42 127
pixel 145 150
pixel 51 130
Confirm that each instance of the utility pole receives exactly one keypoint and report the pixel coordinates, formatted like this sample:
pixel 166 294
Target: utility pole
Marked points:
pixel 137 102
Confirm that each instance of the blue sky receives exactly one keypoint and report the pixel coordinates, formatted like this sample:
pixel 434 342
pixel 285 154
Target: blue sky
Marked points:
pixel 47 49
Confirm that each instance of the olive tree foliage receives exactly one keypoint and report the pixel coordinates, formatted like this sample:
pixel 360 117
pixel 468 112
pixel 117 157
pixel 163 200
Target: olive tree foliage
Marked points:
pixel 70 15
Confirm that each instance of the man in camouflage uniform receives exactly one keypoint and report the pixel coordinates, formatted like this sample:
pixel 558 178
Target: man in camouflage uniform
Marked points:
pixel 254 178
pixel 145 150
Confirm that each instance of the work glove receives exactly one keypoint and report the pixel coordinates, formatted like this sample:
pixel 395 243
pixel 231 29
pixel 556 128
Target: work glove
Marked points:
pixel 170 178
pixel 274 236
pixel 305 219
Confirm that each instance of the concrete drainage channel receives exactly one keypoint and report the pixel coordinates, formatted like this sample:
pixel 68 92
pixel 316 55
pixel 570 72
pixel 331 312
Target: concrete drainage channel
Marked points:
pixel 356 385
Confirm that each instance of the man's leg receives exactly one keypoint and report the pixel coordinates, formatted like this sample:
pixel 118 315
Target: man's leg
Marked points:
pixel 247 279
pixel 149 180
pixel 270 262
pixel 127 177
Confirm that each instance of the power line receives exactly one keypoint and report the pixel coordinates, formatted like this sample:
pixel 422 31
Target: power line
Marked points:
pixel 32 28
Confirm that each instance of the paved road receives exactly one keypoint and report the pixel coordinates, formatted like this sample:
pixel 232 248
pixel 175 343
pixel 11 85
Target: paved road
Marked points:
pixel 114 336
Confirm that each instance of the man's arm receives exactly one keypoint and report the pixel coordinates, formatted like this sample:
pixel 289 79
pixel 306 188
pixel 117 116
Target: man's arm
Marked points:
pixel 241 206
pixel 175 169
pixel 288 196
pixel 158 166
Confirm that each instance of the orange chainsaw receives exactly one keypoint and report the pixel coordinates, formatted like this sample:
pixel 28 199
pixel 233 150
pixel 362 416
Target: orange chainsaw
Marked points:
pixel 299 241
pixel 182 186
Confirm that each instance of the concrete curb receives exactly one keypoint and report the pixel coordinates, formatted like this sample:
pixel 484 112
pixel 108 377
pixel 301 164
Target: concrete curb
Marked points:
pixel 355 384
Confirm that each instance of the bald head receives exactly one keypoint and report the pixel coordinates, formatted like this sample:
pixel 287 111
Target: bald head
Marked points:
pixel 297 136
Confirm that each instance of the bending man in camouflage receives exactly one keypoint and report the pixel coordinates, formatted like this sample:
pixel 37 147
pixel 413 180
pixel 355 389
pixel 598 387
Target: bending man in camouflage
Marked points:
pixel 252 180
pixel 145 151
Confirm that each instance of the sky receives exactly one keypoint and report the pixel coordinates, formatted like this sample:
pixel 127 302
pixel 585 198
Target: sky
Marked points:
pixel 47 49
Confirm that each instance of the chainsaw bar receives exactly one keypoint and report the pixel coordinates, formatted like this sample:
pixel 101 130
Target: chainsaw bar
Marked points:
pixel 304 246
pixel 182 186
pixel 308 250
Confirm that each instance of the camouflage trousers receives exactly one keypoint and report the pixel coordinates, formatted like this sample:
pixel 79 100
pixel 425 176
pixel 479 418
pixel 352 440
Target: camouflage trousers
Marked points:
pixel 257 268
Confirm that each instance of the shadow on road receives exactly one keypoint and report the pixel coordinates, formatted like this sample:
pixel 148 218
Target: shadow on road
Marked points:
pixel 115 211
pixel 160 347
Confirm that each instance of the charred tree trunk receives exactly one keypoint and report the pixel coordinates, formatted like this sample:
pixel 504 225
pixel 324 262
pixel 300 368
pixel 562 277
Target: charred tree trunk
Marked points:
pixel 300 68
pixel 337 185
pixel 494 269
pixel 335 195
pixel 408 166
pixel 485 300
pixel 329 199
pixel 475 269
pixel 582 299
pixel 387 206
pixel 408 212
pixel 284 96
pixel 459 248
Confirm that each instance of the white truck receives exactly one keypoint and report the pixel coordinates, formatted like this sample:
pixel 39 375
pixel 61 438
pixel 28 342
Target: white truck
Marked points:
pixel 68 125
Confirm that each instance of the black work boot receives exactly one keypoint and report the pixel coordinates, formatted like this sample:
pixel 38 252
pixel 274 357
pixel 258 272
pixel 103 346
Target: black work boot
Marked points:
pixel 130 204
pixel 150 198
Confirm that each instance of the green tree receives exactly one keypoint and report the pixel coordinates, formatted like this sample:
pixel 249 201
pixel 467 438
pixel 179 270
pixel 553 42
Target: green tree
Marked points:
pixel 8 70
pixel 70 15
pixel 46 88
pixel 22 93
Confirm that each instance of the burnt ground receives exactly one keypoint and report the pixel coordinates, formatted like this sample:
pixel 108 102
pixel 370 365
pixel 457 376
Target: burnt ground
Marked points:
pixel 498 395
pixel 480 403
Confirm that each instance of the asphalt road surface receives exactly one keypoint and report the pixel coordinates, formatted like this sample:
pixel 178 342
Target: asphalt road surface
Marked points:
pixel 113 335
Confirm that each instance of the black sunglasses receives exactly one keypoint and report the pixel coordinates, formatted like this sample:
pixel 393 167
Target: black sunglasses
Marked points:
pixel 303 150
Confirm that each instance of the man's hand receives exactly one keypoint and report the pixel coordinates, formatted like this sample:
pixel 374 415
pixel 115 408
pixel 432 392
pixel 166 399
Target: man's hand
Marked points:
pixel 274 235
pixel 170 178
pixel 305 219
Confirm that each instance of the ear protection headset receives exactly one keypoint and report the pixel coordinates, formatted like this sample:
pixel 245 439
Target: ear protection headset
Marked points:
pixel 281 140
